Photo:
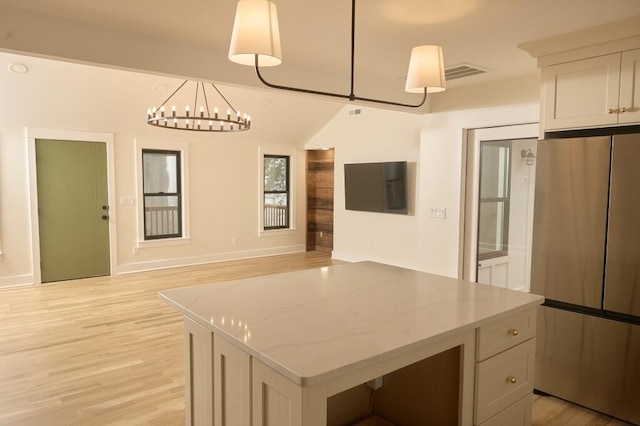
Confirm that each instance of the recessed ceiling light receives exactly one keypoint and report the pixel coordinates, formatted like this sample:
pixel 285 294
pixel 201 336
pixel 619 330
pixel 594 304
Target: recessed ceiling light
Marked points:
pixel 18 68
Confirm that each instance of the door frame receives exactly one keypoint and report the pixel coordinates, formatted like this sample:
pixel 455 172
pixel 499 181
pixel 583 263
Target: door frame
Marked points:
pixel 470 183
pixel 31 134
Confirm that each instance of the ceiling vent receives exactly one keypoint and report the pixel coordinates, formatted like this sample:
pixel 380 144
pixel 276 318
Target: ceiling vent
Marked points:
pixel 462 71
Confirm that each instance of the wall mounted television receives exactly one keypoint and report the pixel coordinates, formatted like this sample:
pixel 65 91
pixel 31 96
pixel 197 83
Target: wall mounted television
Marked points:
pixel 376 187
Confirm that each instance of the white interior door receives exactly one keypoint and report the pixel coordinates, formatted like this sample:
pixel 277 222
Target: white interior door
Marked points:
pixel 499 194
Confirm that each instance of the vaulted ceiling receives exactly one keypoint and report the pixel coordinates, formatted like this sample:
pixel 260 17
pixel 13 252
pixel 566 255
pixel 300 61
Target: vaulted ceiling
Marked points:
pixel 190 38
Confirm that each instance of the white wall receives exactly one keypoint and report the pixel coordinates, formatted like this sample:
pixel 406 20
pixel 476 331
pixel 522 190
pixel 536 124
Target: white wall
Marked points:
pixel 223 168
pixel 441 153
pixel 435 141
pixel 224 180
pixel 15 232
pixel 371 136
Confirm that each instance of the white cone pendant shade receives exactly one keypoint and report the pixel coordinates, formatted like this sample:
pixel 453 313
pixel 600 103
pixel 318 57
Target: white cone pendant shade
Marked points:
pixel 256 32
pixel 426 69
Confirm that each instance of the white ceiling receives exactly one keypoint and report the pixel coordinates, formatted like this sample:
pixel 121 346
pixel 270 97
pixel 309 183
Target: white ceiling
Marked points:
pixel 316 35
pixel 52 94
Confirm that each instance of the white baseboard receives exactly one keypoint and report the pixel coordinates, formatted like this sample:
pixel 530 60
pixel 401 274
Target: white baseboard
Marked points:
pixel 212 258
pixel 347 257
pixel 16 280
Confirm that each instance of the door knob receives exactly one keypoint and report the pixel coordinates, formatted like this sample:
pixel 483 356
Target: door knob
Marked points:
pixel 105 217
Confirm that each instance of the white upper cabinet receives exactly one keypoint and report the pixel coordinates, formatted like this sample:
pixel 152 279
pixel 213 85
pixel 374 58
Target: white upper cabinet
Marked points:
pixel 629 107
pixel 595 92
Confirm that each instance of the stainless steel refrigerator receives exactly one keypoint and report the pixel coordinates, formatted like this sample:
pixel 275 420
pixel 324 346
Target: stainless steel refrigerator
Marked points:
pixel 586 262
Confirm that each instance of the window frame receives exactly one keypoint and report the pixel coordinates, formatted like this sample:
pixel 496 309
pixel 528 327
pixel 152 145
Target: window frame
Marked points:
pixel 286 191
pixel 177 194
pixel 138 200
pixel 277 151
pixel 505 201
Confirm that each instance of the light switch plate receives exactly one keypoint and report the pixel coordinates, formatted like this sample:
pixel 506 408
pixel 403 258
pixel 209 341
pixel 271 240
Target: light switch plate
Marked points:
pixel 437 213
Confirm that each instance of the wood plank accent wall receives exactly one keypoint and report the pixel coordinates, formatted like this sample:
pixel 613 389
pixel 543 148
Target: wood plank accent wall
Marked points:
pixel 320 165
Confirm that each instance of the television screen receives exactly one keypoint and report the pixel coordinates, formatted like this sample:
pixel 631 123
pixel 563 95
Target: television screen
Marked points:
pixel 376 187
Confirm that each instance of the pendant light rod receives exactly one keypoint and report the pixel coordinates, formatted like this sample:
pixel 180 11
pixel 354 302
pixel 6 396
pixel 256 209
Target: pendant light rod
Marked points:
pixel 351 96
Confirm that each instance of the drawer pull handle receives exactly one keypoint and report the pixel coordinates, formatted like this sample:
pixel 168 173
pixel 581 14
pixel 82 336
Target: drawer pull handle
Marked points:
pixel 513 332
pixel 511 379
pixel 623 109
pixel 612 111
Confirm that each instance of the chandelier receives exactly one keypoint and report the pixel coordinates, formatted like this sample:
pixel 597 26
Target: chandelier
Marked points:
pixel 198 116
pixel 255 41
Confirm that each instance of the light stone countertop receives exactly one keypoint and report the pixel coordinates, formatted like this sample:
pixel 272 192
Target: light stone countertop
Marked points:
pixel 316 324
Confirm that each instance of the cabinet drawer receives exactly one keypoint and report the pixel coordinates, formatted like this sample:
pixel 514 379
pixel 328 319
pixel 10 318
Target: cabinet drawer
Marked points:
pixel 518 414
pixel 502 334
pixel 504 379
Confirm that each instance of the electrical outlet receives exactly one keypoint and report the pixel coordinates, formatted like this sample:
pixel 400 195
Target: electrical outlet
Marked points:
pixel 234 240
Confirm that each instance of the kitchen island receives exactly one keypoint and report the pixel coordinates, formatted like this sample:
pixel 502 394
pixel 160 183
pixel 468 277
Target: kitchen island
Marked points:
pixel 299 349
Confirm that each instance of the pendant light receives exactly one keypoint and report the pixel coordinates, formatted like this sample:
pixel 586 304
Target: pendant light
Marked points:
pixel 255 41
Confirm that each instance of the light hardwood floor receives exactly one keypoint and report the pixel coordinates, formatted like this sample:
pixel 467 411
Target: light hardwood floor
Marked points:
pixel 549 411
pixel 108 351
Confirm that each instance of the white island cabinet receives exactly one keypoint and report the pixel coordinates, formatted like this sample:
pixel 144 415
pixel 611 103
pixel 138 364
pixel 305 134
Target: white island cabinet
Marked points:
pixel 308 348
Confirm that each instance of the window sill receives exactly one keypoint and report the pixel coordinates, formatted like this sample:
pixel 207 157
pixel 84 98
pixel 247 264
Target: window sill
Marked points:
pixel 277 232
pixel 164 242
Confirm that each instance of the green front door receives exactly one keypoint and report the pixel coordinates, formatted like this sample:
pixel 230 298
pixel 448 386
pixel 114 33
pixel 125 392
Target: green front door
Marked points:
pixel 73 209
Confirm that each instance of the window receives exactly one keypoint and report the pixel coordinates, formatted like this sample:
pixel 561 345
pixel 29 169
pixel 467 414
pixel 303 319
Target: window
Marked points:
pixel 162 194
pixel 495 182
pixel 276 192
